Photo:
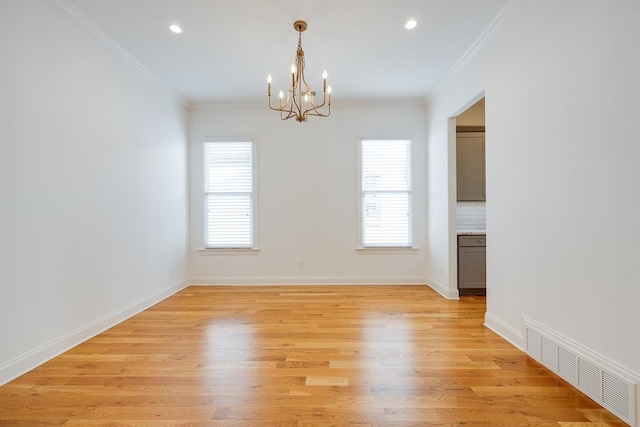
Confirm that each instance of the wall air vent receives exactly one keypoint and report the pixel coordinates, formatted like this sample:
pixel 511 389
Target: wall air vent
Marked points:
pixel 549 354
pixel 589 379
pixel 567 363
pixel 534 344
pixel 611 386
pixel 615 394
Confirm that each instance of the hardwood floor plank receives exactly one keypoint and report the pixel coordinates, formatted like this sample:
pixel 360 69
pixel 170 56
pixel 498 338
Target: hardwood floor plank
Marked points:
pixel 366 356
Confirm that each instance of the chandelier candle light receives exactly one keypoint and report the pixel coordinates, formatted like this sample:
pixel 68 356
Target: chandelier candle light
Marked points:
pixel 300 99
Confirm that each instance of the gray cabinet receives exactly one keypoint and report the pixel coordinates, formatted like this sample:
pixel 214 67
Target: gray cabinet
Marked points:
pixel 472 265
pixel 470 166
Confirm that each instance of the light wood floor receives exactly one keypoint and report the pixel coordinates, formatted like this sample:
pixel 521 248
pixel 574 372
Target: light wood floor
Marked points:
pixel 299 356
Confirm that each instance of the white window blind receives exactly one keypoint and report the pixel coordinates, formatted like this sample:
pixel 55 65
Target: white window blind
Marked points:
pixel 386 193
pixel 228 194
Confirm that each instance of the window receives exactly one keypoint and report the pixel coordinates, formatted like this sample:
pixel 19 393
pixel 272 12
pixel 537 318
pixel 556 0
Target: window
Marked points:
pixel 386 193
pixel 228 186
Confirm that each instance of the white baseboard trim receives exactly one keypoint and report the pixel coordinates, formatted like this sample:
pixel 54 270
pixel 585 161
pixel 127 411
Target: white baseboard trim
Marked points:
pixel 308 280
pixel 510 334
pixel 34 358
pixel 445 292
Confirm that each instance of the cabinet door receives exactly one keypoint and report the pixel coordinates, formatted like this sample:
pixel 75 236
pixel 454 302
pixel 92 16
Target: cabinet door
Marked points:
pixel 470 166
pixel 472 267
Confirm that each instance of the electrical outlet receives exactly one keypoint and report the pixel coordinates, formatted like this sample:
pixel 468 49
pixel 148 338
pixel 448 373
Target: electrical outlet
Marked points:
pixel 300 265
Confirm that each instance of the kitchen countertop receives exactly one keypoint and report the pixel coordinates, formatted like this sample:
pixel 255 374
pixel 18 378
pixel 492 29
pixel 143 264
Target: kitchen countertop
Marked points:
pixel 471 232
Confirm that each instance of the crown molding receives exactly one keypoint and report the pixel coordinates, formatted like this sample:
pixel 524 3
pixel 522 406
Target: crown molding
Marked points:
pixel 498 22
pixel 225 105
pixel 345 104
pixel 382 103
pixel 503 16
pixel 72 14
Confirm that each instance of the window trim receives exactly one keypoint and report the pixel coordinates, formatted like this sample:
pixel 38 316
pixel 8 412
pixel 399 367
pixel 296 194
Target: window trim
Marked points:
pixel 254 249
pixel 228 251
pixel 360 247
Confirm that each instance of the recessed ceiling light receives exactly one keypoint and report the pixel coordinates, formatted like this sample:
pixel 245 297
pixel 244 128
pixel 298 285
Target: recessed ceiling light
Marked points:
pixel 175 28
pixel 411 24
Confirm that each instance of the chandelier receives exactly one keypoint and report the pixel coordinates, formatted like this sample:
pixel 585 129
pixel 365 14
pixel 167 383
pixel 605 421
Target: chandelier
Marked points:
pixel 300 102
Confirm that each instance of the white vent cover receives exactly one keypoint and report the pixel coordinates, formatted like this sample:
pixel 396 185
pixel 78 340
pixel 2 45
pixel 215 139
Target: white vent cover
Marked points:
pixel 534 344
pixel 550 354
pixel 567 363
pixel 615 395
pixel 589 379
pixel 615 391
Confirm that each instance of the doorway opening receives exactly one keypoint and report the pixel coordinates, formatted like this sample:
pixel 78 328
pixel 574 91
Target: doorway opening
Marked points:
pixel 471 225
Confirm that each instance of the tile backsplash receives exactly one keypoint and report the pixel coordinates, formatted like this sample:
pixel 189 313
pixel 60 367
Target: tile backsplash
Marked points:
pixel 472 215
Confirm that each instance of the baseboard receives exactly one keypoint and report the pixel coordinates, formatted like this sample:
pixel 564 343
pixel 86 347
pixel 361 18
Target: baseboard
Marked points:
pixel 445 292
pixel 329 281
pixel 505 331
pixel 308 280
pixel 28 361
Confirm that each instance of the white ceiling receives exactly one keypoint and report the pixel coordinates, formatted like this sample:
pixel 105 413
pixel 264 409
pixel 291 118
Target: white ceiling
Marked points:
pixel 227 48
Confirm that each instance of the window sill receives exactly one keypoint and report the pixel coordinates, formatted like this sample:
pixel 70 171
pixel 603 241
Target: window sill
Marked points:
pixel 387 251
pixel 228 251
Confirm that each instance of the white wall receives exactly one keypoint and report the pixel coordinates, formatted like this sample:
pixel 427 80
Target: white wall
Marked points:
pixel 562 90
pixel 92 188
pixel 308 195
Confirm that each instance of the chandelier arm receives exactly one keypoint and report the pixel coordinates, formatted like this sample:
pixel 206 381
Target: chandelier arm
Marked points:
pixel 315 108
pixel 315 113
pixel 324 101
pixel 298 107
pixel 299 81
pixel 269 96
pixel 306 85
pixel 318 114
pixel 288 102
pixel 284 108
pixel 274 109
pixel 282 117
pixel 288 116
